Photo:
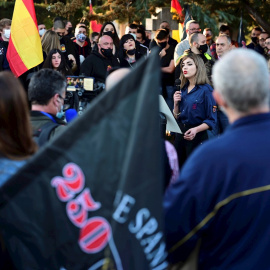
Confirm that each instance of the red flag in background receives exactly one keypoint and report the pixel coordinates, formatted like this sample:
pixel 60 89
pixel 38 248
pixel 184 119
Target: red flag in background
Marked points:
pixel 176 7
pixel 94 26
pixel 24 50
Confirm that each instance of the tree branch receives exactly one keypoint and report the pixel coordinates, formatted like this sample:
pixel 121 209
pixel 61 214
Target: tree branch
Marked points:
pixel 256 17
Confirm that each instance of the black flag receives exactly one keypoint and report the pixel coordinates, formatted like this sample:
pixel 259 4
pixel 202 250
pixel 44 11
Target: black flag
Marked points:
pixel 92 198
pixel 241 35
pixel 188 17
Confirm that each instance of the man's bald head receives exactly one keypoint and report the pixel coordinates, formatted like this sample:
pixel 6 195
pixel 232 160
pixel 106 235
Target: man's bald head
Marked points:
pixel 242 79
pixel 115 77
pixel 105 42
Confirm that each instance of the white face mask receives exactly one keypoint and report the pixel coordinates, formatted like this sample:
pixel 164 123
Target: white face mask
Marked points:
pixel 42 31
pixel 7 33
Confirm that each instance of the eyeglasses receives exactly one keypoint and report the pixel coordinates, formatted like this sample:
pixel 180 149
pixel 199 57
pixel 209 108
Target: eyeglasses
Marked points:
pixel 61 97
pixel 195 29
pixel 267 43
pixel 262 39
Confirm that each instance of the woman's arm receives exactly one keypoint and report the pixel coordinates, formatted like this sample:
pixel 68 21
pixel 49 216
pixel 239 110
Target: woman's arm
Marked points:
pixel 191 133
pixel 176 100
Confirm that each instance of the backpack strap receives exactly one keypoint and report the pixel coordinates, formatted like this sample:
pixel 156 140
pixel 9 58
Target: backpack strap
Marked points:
pixel 42 135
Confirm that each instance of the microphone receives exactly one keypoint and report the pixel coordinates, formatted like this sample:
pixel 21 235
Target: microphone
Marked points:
pixel 177 84
pixel 71 114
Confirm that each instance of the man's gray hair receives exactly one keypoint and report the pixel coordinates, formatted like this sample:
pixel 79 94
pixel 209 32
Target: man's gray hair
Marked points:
pixel 190 22
pixel 242 78
pixel 44 85
pixel 229 40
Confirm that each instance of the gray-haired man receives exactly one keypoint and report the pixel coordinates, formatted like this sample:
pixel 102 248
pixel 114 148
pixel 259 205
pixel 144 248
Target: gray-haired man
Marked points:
pixel 222 197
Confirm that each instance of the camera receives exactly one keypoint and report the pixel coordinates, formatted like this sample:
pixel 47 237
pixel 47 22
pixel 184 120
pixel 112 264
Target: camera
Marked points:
pixel 81 90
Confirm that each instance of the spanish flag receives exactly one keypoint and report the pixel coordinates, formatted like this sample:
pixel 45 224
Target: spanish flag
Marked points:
pixel 24 49
pixel 94 26
pixel 176 7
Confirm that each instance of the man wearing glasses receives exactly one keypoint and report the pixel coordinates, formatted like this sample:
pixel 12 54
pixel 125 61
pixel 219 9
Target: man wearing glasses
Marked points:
pixel 267 47
pixel 192 26
pixel 46 93
pixel 260 48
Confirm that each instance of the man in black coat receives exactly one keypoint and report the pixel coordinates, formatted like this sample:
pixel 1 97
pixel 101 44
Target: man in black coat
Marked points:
pixel 98 63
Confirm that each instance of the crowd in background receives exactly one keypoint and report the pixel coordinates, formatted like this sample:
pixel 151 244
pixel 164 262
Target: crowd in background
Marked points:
pixel 186 85
pixel 187 90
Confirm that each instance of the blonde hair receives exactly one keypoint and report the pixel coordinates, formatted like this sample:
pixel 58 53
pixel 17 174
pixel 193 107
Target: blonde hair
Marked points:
pixel 200 76
pixel 50 41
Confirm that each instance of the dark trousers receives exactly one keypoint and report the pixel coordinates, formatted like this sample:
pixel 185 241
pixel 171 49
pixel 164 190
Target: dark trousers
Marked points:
pixel 184 147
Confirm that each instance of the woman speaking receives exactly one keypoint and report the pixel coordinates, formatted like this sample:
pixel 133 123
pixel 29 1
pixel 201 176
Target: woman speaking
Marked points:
pixel 194 106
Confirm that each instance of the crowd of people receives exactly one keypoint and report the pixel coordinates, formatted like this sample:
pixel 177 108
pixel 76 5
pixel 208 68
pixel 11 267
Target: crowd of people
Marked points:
pixel 190 70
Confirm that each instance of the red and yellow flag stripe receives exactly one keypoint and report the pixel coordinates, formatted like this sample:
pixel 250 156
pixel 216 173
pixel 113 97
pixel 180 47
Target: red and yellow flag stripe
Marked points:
pixel 176 7
pixel 24 50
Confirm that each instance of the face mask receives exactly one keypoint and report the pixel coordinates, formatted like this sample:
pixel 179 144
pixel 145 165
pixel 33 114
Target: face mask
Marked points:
pixel 134 35
pixel 131 52
pixel 107 52
pixel 41 32
pixel 60 114
pixel 203 48
pixel 162 44
pixel 7 33
pixel 59 36
pixel 81 37
pixel 254 40
pixel 70 30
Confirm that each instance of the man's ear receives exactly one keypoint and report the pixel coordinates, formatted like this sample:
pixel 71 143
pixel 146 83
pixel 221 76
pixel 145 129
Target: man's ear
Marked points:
pixel 55 99
pixel 219 99
pixel 194 44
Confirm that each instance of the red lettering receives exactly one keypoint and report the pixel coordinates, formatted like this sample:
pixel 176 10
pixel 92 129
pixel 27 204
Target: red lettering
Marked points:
pixel 77 209
pixel 95 235
pixel 70 184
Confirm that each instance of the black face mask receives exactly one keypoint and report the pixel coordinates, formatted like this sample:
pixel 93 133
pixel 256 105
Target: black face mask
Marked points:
pixel 203 48
pixel 70 30
pixel 254 40
pixel 107 52
pixel 131 52
pixel 162 44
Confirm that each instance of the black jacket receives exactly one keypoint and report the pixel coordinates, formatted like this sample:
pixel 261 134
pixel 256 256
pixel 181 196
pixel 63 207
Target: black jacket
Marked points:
pixel 95 65
pixel 4 65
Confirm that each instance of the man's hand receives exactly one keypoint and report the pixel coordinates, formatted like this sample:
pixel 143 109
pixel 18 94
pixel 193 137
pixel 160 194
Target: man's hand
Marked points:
pixel 162 53
pixel 72 58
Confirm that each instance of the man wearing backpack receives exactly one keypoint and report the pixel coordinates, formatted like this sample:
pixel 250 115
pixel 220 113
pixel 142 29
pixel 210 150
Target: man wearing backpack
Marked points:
pixel 46 92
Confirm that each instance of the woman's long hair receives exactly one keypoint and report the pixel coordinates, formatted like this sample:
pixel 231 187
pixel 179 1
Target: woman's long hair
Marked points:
pixel 63 67
pixel 49 41
pixel 200 76
pixel 114 37
pixel 16 140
